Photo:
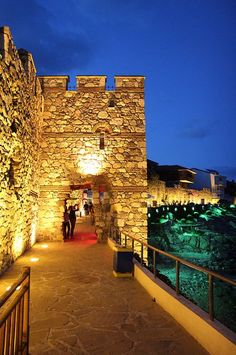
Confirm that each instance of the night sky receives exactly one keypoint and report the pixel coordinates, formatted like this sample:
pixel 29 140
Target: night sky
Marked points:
pixel 185 48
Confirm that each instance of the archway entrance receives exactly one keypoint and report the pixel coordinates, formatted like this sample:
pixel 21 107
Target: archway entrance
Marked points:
pixel 79 204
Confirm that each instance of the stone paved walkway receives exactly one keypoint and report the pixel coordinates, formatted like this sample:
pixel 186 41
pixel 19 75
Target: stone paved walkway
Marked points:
pixel 78 307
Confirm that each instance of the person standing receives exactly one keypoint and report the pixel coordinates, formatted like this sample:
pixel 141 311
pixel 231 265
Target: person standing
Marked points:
pixel 72 217
pixel 66 224
pixel 91 212
pixel 86 208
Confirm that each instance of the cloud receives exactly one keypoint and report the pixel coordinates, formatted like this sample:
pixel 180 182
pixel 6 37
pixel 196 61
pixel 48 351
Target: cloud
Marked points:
pixel 55 48
pixel 198 130
pixel 196 133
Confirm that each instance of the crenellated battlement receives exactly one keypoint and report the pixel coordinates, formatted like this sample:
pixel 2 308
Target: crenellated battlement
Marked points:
pixel 93 83
pixel 87 83
pixel 59 82
pixel 129 83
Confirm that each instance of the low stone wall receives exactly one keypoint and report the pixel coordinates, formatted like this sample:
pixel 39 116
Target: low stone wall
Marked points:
pixel 159 194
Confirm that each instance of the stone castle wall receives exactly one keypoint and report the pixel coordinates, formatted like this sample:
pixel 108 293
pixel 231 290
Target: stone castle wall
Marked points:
pixel 20 122
pixel 76 126
pixel 161 195
pixel 54 141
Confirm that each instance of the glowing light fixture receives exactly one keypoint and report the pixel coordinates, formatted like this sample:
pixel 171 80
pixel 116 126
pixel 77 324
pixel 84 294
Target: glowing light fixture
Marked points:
pixel 18 245
pixel 33 233
pixel 44 246
pixel 91 164
pixel 8 288
pixel 34 260
pixel 18 288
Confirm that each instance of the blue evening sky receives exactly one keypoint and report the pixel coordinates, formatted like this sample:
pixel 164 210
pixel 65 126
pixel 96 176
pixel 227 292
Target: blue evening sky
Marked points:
pixel 185 48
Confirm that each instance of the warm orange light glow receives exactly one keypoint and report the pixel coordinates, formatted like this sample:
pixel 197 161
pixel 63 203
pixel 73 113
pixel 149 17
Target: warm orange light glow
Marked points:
pixel 90 164
pixel 18 288
pixel 44 246
pixel 33 233
pixel 34 260
pixel 8 288
pixel 18 245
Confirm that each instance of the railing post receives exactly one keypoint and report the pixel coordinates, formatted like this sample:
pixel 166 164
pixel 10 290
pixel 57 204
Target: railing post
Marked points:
pixel 2 338
pixel 177 276
pixel 154 263
pixel 133 245
pixel 141 253
pixel 26 305
pixel 210 297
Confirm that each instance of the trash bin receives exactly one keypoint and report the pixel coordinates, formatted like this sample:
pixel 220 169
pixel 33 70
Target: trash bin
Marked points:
pixel 122 262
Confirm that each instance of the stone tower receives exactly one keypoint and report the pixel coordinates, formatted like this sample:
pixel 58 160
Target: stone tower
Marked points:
pixel 54 142
pixel 94 137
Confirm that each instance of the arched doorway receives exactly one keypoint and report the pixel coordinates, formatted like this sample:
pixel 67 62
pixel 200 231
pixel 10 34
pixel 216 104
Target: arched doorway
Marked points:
pixel 79 204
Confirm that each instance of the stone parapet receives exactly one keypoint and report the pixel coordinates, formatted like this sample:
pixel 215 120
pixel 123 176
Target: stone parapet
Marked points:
pixel 129 83
pixel 93 83
pixel 55 82
pixel 88 83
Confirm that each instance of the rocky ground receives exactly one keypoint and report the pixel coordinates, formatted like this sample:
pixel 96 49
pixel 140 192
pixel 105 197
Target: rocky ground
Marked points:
pixel 207 239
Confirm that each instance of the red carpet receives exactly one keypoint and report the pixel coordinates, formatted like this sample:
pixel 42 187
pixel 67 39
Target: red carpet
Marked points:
pixel 84 232
pixel 83 238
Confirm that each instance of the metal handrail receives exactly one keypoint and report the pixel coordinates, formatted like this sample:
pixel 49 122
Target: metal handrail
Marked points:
pixel 185 262
pixel 14 316
pixel 211 274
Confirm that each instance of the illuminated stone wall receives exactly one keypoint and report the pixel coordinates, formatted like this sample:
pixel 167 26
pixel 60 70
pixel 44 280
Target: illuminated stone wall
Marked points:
pixel 72 153
pixel 20 106
pixel 161 195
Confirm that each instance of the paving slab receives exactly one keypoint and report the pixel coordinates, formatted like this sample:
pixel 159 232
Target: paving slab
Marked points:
pixel 78 307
